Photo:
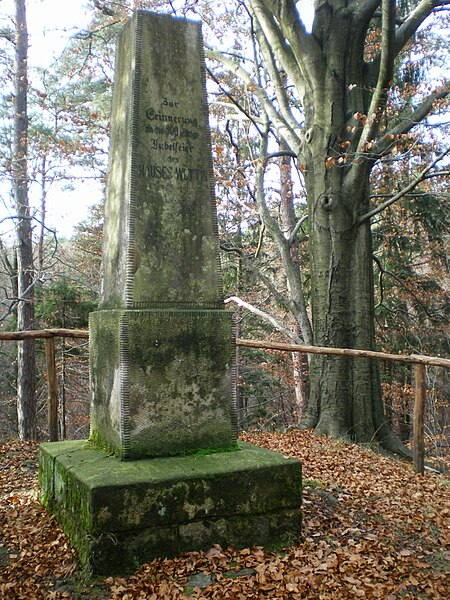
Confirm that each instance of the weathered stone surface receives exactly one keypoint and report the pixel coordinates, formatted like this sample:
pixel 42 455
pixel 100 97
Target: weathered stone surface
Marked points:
pixel 162 381
pixel 119 514
pixel 162 348
pixel 160 240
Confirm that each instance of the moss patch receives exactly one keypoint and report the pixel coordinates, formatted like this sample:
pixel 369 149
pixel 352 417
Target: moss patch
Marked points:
pixel 119 513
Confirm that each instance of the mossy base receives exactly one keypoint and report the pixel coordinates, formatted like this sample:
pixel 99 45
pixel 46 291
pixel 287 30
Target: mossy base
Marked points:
pixel 162 381
pixel 121 514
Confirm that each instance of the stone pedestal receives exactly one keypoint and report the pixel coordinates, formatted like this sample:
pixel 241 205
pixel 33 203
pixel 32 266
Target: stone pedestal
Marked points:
pixel 162 381
pixel 120 514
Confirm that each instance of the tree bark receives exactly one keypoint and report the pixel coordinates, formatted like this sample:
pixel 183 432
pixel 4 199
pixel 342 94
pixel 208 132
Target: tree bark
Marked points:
pixel 288 224
pixel 343 97
pixel 26 364
pixel 345 395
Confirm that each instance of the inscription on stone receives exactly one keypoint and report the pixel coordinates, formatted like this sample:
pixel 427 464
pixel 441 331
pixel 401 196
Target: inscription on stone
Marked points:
pixel 173 135
pixel 172 219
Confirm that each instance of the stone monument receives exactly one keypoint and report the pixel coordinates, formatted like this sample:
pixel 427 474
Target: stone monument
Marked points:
pixel 161 346
pixel 163 471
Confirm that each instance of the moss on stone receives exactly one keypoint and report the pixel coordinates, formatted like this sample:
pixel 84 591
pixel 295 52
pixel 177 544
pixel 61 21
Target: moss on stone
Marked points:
pixel 229 448
pixel 118 512
pixel 97 442
pixel 173 392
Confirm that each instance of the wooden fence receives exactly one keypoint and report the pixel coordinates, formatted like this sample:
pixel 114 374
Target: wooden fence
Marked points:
pixel 420 362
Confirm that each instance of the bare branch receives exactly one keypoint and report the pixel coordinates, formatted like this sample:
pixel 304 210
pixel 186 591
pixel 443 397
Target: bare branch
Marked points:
pixel 271 36
pixel 437 174
pixel 379 96
pixel 7 34
pixel 409 121
pixel 280 154
pixel 278 78
pixel 367 9
pixel 237 105
pixel 296 229
pixel 383 271
pixel 289 334
pixel 103 8
pixel 5 261
pixel 282 300
pixel 285 130
pixel 288 27
pixel 9 310
pixel 415 19
pixel 292 272
pixel 422 175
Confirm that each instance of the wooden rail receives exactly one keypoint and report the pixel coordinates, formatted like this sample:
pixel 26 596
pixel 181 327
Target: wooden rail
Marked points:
pixel 409 358
pixel 43 333
pixel 419 362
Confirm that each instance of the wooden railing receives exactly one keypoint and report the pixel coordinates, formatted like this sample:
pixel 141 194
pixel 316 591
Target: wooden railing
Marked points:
pixel 420 362
pixel 49 336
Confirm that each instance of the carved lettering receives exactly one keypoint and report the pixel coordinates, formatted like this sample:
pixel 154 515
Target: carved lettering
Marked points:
pixel 175 136
pixel 152 115
pixel 188 174
pixel 189 134
pixel 171 146
pixel 154 171
pixel 170 103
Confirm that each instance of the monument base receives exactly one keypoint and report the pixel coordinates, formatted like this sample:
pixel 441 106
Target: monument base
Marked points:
pixel 162 381
pixel 121 514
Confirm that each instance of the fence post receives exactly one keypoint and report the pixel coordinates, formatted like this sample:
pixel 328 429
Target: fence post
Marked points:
pixel 419 410
pixel 52 387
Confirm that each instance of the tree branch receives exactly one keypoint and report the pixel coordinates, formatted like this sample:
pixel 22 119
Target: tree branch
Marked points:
pixel 383 271
pixel 237 105
pixel 269 30
pixel 409 121
pixel 289 334
pixel 292 273
pixel 7 34
pixel 6 262
pixel 278 80
pixel 366 9
pixel 285 130
pixel 284 302
pixel 281 18
pixel 296 229
pixel 379 95
pixel 422 175
pixel 415 19
pixel 103 8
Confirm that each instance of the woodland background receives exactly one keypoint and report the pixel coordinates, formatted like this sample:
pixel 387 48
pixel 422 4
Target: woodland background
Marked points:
pixel 67 129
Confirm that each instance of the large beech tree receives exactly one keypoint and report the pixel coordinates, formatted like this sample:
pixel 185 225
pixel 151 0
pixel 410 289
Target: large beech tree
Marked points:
pixel 326 96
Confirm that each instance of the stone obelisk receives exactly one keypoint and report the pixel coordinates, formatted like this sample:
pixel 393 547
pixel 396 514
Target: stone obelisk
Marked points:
pixel 161 343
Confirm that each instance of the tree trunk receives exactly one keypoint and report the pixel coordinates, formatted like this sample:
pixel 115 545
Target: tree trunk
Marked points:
pixel 288 223
pixel 344 391
pixel 43 182
pixel 26 367
pixel 345 395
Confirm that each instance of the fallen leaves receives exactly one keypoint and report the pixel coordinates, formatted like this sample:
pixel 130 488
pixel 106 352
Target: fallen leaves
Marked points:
pixel 372 529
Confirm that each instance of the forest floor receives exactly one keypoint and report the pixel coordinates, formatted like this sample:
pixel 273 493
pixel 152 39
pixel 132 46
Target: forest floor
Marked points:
pixel 372 529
